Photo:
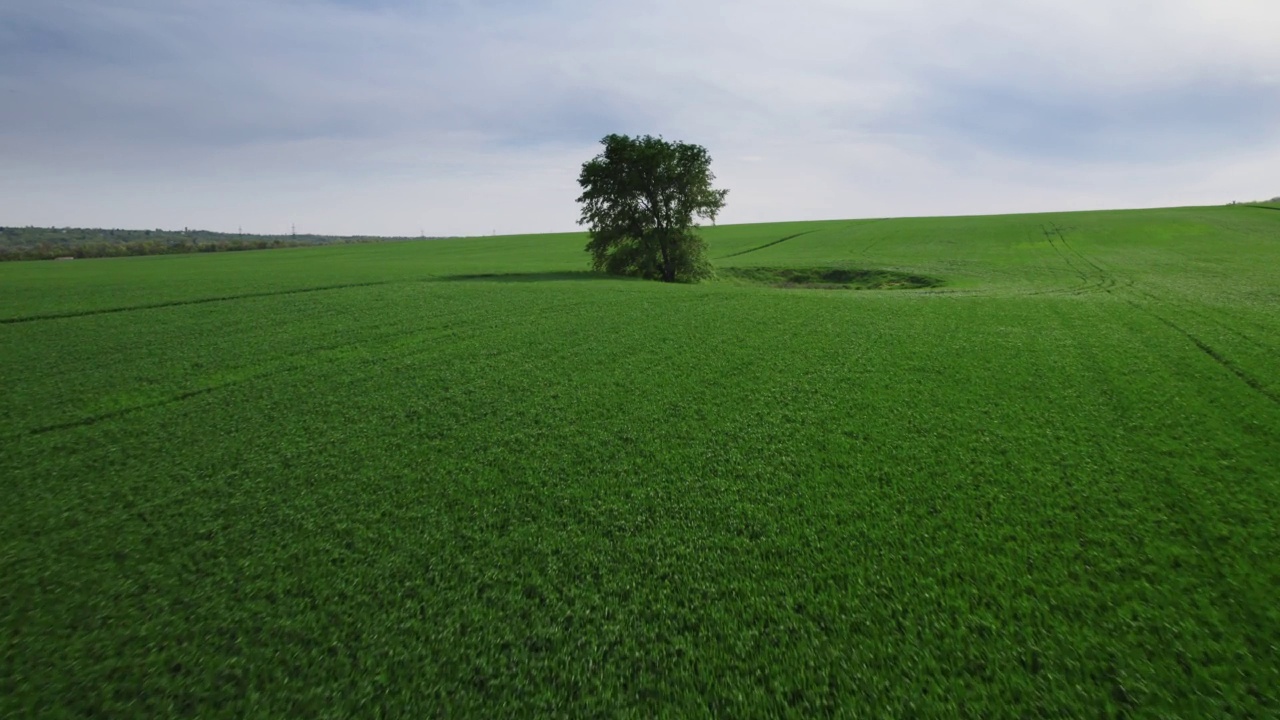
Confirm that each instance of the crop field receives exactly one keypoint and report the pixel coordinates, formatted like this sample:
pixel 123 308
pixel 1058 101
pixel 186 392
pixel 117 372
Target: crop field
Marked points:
pixel 1008 466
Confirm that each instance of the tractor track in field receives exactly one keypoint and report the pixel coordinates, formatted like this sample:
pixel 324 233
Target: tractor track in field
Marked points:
pixel 388 346
pixel 1060 232
pixel 120 412
pixel 181 397
pixel 767 245
pixel 771 243
pixel 1217 357
pixel 1243 375
pixel 1202 538
pixel 195 301
pixel 1209 319
pixel 1102 282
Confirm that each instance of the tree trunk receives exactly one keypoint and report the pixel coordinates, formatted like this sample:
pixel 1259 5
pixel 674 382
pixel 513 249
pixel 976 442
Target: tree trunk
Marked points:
pixel 668 267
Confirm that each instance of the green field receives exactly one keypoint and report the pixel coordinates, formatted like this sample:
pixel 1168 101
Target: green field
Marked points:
pixel 466 478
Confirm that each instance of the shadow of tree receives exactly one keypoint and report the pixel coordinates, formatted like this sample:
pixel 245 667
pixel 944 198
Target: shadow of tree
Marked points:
pixel 533 277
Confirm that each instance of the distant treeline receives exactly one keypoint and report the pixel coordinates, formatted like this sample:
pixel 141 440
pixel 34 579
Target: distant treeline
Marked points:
pixel 36 243
pixel 1272 201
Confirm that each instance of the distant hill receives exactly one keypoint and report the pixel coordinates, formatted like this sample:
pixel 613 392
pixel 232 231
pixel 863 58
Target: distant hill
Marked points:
pixel 39 243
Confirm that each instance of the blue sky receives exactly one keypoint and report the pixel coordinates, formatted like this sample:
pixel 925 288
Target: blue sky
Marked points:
pixel 473 116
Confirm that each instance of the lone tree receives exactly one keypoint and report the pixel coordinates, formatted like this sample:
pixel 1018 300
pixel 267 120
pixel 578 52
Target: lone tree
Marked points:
pixel 641 199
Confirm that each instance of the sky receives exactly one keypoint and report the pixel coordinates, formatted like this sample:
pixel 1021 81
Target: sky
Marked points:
pixel 471 117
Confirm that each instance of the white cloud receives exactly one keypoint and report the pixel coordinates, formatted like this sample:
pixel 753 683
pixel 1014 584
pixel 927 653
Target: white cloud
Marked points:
pixel 466 117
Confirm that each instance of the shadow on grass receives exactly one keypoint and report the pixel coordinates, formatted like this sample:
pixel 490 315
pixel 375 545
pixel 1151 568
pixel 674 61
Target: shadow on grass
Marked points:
pixel 532 277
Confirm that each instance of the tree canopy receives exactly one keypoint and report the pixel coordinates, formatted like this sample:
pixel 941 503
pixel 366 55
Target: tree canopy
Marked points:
pixel 641 200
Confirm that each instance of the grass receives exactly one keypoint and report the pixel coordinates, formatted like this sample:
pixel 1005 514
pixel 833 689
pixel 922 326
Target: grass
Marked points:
pixel 465 478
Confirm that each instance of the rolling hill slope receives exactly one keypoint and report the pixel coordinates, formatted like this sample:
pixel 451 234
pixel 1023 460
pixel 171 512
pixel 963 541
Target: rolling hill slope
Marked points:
pixel 465 477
